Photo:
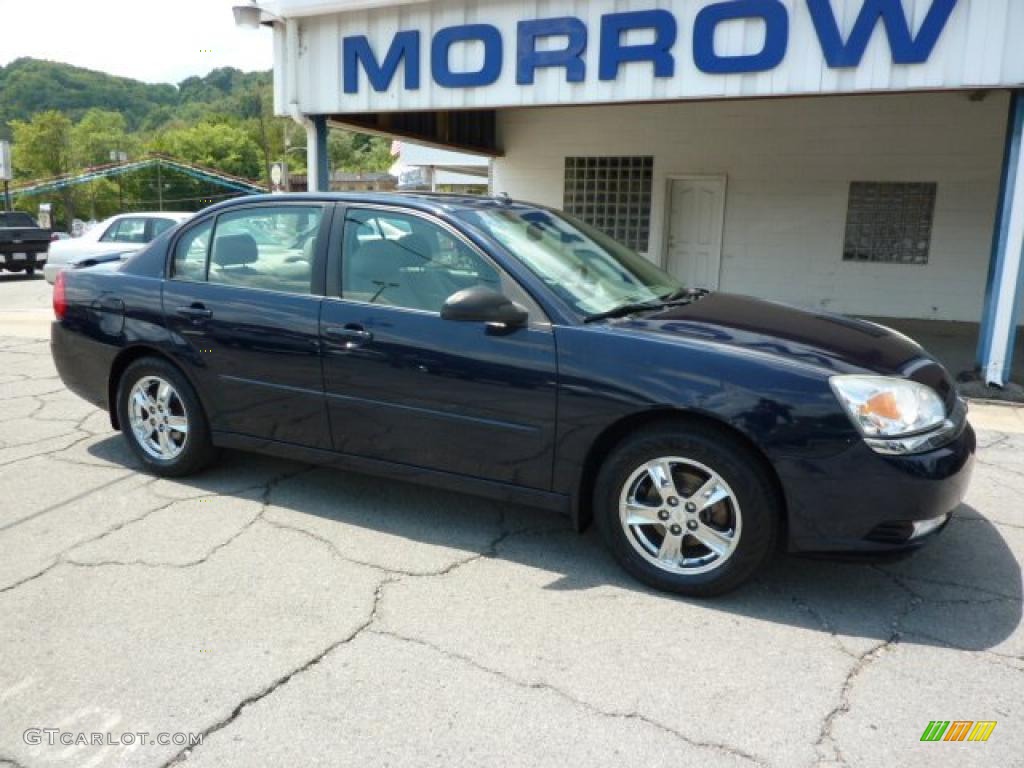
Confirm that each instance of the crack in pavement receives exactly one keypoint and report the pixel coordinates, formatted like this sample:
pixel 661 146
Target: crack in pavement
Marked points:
pixel 157 564
pixel 389 576
pixel 581 703
pixel 40 404
pixel 901 579
pixel 489 551
pixel 1000 439
pixel 826 739
pixel 62 556
pixel 1000 467
pixel 51 453
pixel 33 577
pixel 264 501
pixel 248 701
pixel 819 618
pixel 73 499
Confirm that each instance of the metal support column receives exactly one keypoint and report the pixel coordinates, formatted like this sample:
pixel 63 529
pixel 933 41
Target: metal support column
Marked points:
pixel 323 164
pixel 318 174
pixel 1000 314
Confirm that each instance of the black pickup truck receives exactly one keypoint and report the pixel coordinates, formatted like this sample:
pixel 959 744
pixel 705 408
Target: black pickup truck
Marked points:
pixel 23 243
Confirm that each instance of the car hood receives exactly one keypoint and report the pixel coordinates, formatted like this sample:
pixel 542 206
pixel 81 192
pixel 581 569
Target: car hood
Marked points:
pixel 833 343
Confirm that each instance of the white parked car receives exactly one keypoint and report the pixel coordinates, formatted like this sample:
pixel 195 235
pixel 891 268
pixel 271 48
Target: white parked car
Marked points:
pixel 124 233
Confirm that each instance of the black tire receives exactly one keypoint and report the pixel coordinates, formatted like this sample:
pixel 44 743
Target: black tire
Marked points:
pixel 30 271
pixel 196 449
pixel 756 499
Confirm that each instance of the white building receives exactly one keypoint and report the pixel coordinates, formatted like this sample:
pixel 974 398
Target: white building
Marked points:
pixel 857 155
pixel 421 167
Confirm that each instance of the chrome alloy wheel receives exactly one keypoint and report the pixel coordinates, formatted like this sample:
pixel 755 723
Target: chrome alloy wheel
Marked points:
pixel 680 515
pixel 158 418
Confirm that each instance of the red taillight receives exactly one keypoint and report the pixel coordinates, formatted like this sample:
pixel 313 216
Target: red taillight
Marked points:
pixel 60 300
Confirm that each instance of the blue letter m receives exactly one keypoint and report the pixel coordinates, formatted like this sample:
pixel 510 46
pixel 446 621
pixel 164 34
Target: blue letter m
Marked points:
pixel 356 50
pixel 906 49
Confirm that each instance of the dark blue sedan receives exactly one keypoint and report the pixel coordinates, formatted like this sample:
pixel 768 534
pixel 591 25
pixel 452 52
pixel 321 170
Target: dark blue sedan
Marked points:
pixel 512 351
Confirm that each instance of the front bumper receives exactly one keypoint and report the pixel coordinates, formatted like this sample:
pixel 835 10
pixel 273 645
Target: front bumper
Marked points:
pixel 862 501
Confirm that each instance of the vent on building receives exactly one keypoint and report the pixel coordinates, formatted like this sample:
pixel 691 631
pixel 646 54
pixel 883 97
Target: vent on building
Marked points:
pixel 889 222
pixel 612 194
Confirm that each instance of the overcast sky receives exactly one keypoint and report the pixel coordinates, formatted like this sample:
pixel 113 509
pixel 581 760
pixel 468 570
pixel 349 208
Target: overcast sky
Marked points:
pixel 159 42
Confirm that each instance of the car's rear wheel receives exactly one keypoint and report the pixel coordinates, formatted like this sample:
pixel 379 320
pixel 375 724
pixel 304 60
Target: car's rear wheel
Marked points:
pixel 687 509
pixel 162 419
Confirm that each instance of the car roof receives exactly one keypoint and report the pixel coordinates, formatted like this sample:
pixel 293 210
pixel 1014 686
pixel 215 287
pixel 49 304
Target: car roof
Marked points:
pixel 175 215
pixel 433 202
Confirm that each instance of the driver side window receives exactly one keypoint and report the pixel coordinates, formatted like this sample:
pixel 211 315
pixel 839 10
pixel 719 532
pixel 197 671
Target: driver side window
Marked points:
pixel 400 260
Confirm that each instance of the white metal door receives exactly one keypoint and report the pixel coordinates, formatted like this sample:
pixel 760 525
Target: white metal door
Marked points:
pixel 696 214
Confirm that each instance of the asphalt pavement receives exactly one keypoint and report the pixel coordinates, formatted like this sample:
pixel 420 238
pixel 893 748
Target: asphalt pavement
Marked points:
pixel 287 615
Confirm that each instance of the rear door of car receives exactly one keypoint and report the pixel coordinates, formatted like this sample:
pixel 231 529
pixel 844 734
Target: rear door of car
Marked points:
pixel 243 300
pixel 404 385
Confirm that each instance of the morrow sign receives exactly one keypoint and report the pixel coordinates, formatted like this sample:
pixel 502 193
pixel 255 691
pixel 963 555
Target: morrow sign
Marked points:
pixel 561 43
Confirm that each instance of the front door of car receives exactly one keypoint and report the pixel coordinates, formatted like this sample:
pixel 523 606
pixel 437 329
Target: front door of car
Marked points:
pixel 243 304
pixel 405 385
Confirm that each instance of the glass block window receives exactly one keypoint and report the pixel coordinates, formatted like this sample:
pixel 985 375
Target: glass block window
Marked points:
pixel 612 194
pixel 889 222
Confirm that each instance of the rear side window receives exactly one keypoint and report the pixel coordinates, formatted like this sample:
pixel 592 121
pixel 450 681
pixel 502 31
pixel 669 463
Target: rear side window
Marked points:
pixel 190 253
pixel 271 248
pixel 159 226
pixel 126 231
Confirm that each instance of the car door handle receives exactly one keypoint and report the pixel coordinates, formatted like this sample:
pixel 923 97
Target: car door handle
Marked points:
pixel 352 335
pixel 195 312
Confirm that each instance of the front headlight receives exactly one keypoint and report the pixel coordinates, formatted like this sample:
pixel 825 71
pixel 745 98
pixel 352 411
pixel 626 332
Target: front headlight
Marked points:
pixel 887 407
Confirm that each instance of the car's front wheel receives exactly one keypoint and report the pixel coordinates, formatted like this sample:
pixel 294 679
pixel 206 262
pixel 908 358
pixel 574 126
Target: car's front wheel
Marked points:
pixel 687 509
pixel 161 418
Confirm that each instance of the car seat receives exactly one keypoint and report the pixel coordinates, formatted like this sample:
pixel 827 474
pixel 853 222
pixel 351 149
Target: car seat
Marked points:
pixel 380 271
pixel 232 255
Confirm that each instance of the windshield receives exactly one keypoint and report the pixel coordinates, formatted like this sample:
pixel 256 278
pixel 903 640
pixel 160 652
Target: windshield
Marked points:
pixel 587 269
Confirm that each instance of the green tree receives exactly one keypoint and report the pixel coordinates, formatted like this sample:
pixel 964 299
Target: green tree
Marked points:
pixel 356 152
pixel 255 105
pixel 99 133
pixel 215 145
pixel 42 148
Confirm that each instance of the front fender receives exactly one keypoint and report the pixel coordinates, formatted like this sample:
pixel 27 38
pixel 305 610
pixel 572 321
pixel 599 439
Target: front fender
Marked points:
pixel 784 408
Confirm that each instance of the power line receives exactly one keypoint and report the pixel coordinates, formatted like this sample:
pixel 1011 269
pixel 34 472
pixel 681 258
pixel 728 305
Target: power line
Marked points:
pixel 211 198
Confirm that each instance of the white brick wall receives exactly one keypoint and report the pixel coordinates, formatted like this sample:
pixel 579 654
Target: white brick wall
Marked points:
pixel 789 163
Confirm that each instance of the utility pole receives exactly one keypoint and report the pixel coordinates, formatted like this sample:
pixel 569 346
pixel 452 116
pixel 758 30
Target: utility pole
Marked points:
pixel 159 187
pixel 6 172
pixel 117 156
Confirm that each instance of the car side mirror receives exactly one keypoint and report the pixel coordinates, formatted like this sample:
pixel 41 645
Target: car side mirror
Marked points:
pixel 483 305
